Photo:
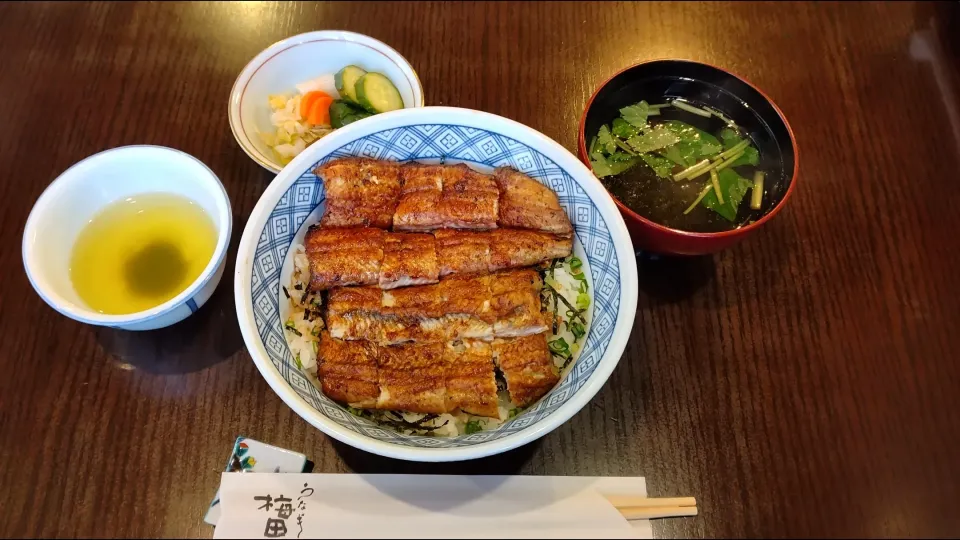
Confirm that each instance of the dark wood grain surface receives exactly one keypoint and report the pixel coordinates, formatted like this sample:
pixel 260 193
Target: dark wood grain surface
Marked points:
pixel 805 382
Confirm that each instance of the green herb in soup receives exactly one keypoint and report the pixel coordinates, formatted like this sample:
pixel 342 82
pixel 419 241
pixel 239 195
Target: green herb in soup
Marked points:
pixel 684 166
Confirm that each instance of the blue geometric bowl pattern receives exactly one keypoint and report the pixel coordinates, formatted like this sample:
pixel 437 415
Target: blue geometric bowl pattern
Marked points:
pixel 433 142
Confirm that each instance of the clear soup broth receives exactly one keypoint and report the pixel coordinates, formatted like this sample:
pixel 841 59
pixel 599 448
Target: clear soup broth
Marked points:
pixel 653 144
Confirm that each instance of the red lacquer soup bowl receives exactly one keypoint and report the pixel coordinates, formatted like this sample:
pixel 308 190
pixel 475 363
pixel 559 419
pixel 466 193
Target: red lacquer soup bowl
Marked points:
pixel 658 81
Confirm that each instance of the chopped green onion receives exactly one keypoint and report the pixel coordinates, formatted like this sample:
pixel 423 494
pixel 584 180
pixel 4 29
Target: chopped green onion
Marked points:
pixel 658 107
pixel 583 301
pixel 575 264
pixel 699 198
pixel 355 412
pixel 472 426
pixel 730 161
pixel 682 175
pixel 296 358
pixel 734 149
pixel 573 312
pixel 715 180
pixel 583 285
pixel 559 347
pixel 690 108
pixel 513 412
pixel 756 198
pixel 578 331
pixel 290 326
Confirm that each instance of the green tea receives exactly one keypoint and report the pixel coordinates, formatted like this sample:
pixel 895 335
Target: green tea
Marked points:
pixel 139 252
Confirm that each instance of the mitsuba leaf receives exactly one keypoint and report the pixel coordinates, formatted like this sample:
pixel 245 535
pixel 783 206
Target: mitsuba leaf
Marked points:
pixel 617 163
pixel 623 129
pixel 695 144
pixel 660 165
pixel 636 114
pixel 654 139
pixel 673 154
pixel 605 140
pixel 734 187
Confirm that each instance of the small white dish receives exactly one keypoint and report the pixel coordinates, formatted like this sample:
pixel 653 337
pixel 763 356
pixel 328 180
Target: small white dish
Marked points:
pixel 283 65
pixel 84 189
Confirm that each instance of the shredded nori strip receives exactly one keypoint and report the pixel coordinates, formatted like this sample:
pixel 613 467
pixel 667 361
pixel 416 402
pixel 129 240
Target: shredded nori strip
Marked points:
pixel 427 418
pixel 556 305
pixel 546 292
pixel 286 292
pixel 573 312
pixel 298 286
pixel 398 423
pixel 500 379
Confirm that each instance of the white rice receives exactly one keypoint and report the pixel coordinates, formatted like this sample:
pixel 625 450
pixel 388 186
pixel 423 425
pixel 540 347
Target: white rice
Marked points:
pixel 568 286
pixel 302 331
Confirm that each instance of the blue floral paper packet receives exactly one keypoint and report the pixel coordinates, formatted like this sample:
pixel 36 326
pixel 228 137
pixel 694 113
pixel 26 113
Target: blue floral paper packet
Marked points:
pixel 249 455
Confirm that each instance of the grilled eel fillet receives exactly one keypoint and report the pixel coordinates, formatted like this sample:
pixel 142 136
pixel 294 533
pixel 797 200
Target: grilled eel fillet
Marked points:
pixel 368 256
pixel 360 192
pixel 505 304
pixel 418 197
pixel 527 366
pixel 435 377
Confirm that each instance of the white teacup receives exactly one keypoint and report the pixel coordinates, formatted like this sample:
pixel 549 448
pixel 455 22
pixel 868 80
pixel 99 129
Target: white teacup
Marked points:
pixel 84 189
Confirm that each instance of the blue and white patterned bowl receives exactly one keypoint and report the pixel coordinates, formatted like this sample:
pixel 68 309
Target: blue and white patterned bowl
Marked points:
pixel 295 199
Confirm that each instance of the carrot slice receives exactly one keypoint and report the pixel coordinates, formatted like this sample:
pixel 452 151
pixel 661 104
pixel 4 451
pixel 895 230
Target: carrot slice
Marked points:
pixel 319 112
pixel 308 99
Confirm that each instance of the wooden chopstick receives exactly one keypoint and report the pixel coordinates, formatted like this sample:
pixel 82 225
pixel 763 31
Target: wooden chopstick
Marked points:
pixel 639 512
pixel 633 507
pixel 622 501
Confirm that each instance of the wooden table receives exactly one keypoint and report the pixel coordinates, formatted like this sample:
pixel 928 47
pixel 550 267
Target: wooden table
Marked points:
pixel 804 382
